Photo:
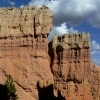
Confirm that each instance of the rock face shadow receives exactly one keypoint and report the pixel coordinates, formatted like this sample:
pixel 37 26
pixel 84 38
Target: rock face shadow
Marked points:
pixel 47 93
pixel 3 93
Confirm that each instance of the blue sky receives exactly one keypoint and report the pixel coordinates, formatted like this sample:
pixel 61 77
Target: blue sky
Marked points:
pixel 70 16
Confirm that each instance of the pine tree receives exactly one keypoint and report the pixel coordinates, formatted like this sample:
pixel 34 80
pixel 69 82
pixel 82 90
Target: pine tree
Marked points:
pixel 10 88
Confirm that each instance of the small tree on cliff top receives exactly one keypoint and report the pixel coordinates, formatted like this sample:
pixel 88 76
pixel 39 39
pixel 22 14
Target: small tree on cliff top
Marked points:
pixel 11 90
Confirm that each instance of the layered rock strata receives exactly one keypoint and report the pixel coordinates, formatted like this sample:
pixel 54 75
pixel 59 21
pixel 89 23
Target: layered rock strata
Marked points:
pixel 75 76
pixel 64 71
pixel 24 48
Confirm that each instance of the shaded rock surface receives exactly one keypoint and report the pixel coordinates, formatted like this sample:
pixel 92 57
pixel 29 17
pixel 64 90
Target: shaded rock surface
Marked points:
pixel 59 70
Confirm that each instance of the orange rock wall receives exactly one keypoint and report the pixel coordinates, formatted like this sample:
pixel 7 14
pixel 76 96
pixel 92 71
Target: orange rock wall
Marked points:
pixel 72 67
pixel 24 48
pixel 64 63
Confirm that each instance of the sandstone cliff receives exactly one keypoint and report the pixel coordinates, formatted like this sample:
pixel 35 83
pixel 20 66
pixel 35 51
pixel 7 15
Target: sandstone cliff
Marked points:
pixel 75 76
pixel 24 48
pixel 59 70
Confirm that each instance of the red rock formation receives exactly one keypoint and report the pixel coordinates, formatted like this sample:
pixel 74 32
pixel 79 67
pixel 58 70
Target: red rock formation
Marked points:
pixel 73 69
pixel 67 69
pixel 24 48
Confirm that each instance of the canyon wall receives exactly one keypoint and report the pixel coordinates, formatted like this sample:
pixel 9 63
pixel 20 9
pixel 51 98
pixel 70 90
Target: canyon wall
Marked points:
pixel 58 70
pixel 24 48
pixel 75 76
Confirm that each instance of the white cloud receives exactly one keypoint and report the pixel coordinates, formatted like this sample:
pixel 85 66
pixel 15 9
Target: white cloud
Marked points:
pixel 62 29
pixel 95 19
pixel 95 48
pixel 21 6
pixel 95 52
pixel 72 11
pixel 94 45
pixel 12 3
pixel 71 30
pixel 38 3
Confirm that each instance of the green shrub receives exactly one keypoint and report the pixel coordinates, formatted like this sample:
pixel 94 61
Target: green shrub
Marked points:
pixel 10 88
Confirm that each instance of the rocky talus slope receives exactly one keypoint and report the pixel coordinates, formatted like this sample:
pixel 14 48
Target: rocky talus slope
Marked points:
pixel 58 70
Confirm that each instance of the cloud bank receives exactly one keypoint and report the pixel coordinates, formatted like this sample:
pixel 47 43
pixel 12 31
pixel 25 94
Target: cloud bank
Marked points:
pixel 95 47
pixel 95 52
pixel 62 29
pixel 72 11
